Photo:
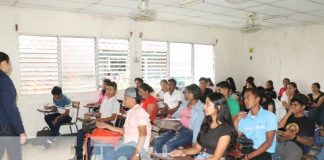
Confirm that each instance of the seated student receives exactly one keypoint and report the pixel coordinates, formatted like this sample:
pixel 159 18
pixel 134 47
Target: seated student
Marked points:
pixel 102 92
pixel 269 90
pixel 149 103
pixel 319 141
pixel 289 94
pixel 164 89
pixel 204 90
pixel 62 111
pixel 173 98
pixel 217 135
pixel 298 132
pixel 233 93
pixel 248 84
pixel 210 84
pixel 258 125
pixel 138 81
pixel 267 102
pixel 108 112
pixel 191 115
pixel 224 88
pixel 283 89
pixel 136 131
pixel 316 107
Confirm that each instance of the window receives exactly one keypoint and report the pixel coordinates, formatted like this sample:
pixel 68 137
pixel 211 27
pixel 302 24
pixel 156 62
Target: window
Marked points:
pixel 154 62
pixel 78 64
pixel 113 61
pixel 180 63
pixel 39 64
pixel 203 61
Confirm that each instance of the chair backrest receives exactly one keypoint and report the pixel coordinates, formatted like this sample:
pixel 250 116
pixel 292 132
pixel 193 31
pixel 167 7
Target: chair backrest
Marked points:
pixel 75 108
pixel 120 121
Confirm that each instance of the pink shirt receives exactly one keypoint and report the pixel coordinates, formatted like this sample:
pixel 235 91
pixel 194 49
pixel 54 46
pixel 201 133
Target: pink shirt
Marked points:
pixel 137 116
pixel 101 97
pixel 185 116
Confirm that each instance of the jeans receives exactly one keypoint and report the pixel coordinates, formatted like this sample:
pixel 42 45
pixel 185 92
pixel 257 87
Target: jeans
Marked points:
pixel 56 128
pixel 173 140
pixel 10 141
pixel 79 145
pixel 110 152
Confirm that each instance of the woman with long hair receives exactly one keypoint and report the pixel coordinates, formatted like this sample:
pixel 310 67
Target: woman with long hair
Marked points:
pixel 149 103
pixel 217 134
pixel 291 91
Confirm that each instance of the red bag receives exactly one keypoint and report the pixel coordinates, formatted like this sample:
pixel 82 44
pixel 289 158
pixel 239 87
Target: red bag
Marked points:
pixel 105 136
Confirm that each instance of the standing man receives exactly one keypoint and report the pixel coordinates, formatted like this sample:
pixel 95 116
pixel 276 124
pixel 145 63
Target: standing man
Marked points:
pixel 11 126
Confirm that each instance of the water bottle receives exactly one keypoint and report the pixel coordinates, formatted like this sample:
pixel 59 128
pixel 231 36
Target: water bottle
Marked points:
pixel 165 150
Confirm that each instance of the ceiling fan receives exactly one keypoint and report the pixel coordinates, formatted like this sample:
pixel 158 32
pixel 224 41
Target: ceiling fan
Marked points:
pixel 143 12
pixel 251 24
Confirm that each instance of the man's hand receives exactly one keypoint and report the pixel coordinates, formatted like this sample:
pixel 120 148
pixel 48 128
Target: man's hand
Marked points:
pixel 289 135
pixel 23 138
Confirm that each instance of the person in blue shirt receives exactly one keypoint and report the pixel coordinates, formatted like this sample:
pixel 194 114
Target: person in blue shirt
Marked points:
pixel 11 126
pixel 191 115
pixel 61 111
pixel 259 125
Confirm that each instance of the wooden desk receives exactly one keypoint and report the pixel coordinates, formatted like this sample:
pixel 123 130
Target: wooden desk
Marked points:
pixel 91 107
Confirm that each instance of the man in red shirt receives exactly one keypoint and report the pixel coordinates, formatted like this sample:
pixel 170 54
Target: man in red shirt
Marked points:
pixel 285 82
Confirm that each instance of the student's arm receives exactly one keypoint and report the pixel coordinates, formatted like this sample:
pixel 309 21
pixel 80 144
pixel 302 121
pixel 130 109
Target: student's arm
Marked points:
pixel 195 149
pixel 109 127
pixel 284 119
pixel 237 124
pixel 319 103
pixel 140 141
pixel 263 148
pixel 171 111
pixel 150 108
pixel 308 141
pixel 221 147
pixel 108 119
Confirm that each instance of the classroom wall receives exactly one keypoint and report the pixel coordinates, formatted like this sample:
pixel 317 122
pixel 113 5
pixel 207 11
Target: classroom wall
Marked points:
pixel 295 52
pixel 44 22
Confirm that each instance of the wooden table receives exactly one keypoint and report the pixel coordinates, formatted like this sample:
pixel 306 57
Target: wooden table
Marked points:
pixel 158 156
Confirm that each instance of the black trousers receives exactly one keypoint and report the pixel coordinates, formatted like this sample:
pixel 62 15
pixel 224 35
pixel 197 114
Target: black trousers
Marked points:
pixel 56 128
pixel 10 141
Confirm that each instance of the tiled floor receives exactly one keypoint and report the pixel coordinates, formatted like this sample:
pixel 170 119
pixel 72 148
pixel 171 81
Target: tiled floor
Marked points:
pixel 61 149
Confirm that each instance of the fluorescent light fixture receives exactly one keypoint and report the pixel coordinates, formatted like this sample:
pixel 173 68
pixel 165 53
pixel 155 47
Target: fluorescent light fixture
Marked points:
pixel 236 1
pixel 274 18
pixel 191 2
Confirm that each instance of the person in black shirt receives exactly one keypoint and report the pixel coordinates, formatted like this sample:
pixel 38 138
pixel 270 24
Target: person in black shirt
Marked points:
pixel 298 130
pixel 267 102
pixel 204 90
pixel 217 134
pixel 269 90
pixel 316 106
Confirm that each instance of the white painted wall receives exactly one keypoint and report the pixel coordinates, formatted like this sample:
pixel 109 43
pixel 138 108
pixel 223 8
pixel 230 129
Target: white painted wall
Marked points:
pixel 41 22
pixel 294 52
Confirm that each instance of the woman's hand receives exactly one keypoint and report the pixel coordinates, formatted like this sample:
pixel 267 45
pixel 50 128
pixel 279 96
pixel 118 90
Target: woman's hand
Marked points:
pixel 23 138
pixel 177 153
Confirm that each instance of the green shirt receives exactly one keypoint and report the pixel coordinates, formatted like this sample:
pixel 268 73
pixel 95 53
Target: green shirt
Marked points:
pixel 233 105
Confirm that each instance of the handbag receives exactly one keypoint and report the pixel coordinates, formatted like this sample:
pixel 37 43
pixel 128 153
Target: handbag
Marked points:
pixel 168 124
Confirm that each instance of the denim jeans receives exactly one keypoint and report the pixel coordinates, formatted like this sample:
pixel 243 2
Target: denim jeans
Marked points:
pixel 79 144
pixel 173 140
pixel 56 128
pixel 109 152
